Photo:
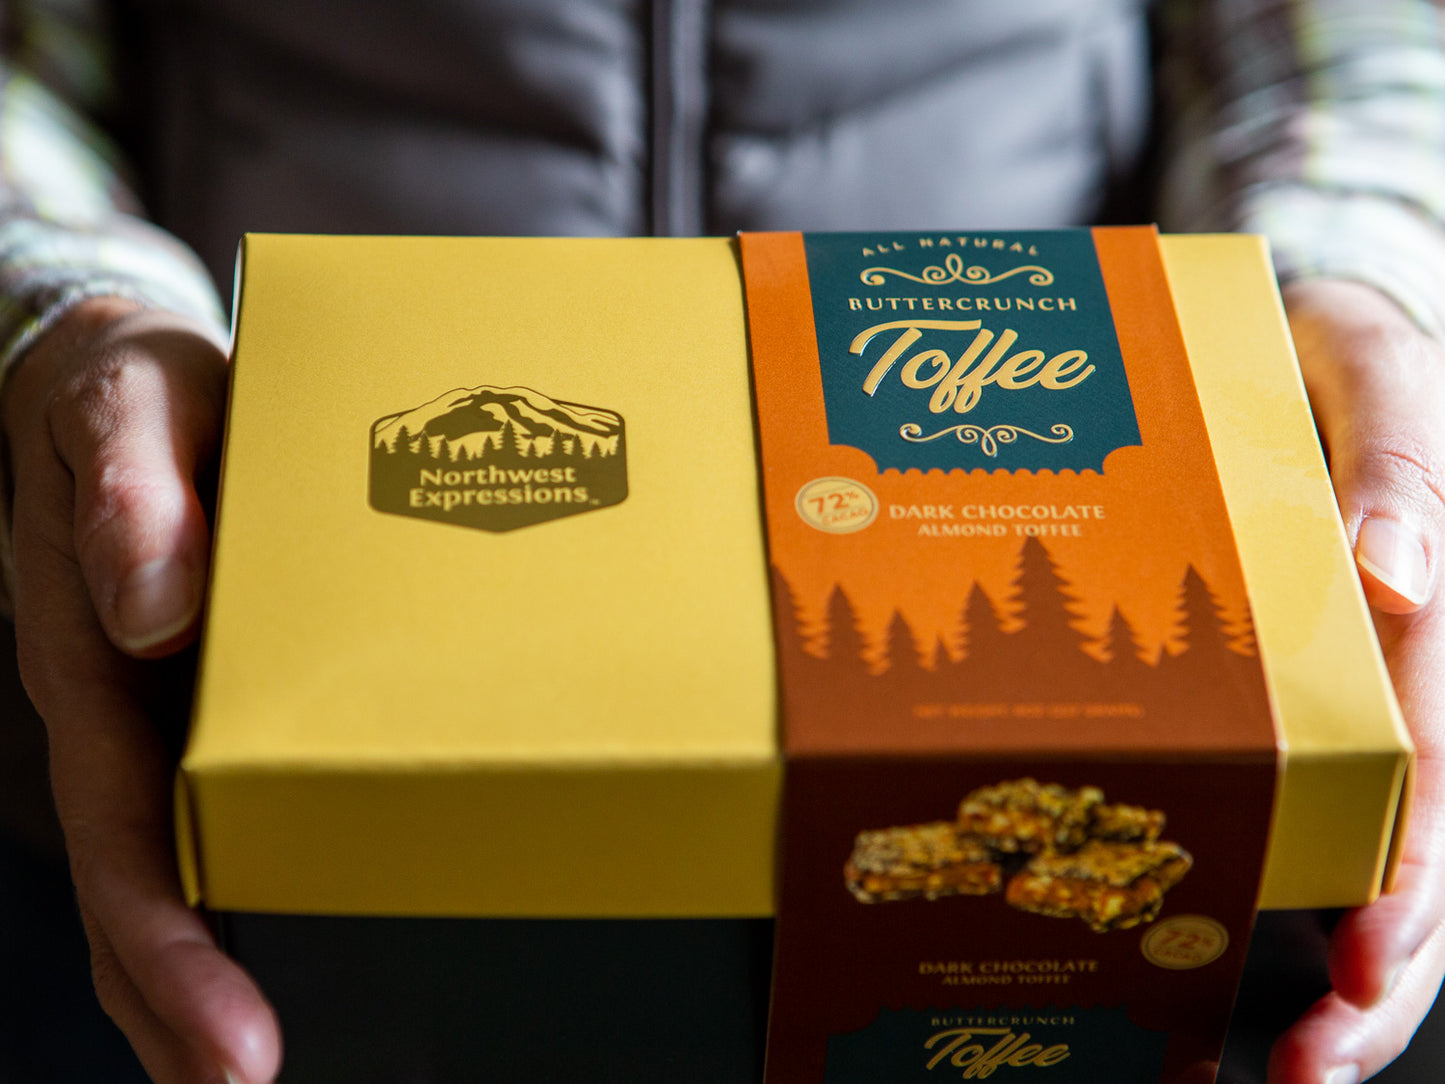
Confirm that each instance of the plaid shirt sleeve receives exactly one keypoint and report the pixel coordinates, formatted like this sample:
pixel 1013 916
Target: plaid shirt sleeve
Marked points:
pixel 1321 124
pixel 70 228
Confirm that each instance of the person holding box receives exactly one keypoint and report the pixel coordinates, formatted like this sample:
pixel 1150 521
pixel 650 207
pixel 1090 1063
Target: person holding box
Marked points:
pixel 1317 123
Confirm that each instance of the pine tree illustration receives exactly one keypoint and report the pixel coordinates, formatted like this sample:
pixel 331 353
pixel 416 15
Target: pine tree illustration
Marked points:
pixel 507 439
pixel 844 639
pixel 1121 643
pixel 939 657
pixel 1203 629
pixel 402 443
pixel 1048 607
pixel 787 622
pixel 979 634
pixel 1244 640
pixel 901 658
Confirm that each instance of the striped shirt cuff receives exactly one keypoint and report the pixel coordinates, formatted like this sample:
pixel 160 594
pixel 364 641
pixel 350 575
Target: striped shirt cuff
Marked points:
pixel 1360 237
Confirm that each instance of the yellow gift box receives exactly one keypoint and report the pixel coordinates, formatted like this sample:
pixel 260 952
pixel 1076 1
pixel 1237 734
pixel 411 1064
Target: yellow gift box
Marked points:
pixel 574 713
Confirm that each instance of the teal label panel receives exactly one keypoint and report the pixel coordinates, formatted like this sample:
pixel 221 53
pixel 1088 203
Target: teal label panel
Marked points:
pixel 992 351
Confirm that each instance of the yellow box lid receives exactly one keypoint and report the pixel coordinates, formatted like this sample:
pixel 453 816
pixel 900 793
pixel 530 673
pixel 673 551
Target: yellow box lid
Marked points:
pixel 397 714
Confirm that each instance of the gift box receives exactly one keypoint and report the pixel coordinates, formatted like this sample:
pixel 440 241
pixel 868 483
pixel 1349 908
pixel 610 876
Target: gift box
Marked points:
pixel 486 774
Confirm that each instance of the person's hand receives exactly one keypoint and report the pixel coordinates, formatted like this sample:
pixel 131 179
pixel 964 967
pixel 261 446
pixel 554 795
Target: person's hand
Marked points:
pixel 109 420
pixel 1377 385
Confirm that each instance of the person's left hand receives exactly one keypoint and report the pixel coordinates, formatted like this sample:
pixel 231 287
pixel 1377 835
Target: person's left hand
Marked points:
pixel 111 422
pixel 1377 385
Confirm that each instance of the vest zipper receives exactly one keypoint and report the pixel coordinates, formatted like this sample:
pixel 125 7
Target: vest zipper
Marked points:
pixel 679 115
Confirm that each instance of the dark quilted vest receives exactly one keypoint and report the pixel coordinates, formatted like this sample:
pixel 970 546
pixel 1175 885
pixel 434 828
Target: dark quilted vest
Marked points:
pixel 627 117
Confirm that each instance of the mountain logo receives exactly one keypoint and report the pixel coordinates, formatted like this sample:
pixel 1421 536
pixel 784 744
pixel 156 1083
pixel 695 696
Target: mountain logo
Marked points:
pixel 497 459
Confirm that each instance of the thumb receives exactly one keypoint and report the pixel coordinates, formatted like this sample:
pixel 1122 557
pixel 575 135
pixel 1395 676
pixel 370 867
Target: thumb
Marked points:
pixel 1377 383
pixel 135 418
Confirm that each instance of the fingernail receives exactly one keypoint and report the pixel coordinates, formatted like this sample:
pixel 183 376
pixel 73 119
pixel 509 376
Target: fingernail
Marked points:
pixel 1343 1074
pixel 1392 553
pixel 154 603
pixel 1390 980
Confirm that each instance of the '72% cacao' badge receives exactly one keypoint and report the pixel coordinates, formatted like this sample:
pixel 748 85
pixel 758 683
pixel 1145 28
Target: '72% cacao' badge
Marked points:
pixel 836 505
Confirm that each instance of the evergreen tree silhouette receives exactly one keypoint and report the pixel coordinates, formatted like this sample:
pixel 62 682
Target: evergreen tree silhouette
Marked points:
pixel 1047 606
pixel 980 635
pixel 402 443
pixel 939 657
pixel 787 622
pixel 844 639
pixel 1203 629
pixel 507 440
pixel 1244 640
pixel 1121 643
pixel 901 649
pixel 1214 678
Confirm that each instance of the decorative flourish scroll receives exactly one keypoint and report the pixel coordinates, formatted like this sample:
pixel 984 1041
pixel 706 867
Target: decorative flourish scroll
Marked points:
pixel 988 439
pixel 954 271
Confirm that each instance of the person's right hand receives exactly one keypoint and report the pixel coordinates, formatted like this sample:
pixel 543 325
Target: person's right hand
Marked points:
pixel 1377 386
pixel 109 420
